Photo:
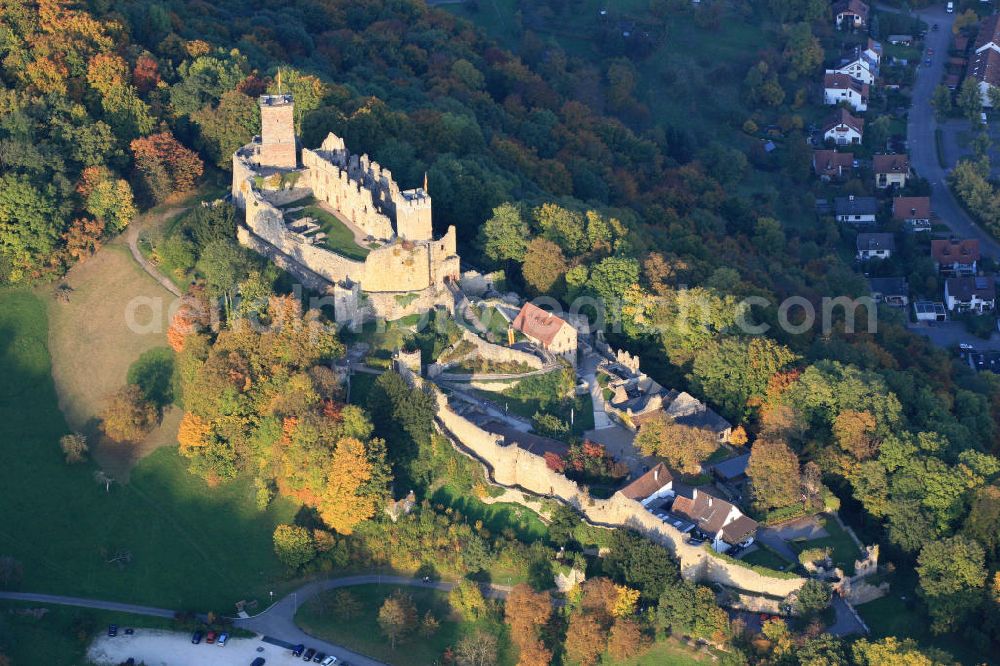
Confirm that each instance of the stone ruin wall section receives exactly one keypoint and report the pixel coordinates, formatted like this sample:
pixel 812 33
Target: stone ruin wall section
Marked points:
pixel 332 184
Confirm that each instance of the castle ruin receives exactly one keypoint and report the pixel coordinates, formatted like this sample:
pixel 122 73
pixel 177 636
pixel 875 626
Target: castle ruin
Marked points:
pixel 405 271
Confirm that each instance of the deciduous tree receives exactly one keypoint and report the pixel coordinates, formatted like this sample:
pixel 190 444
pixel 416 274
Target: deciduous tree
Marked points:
pixel 128 417
pixel 683 447
pixel 952 575
pixel 294 545
pixel 586 639
pixel 479 648
pixel 397 617
pixel 773 471
pixel 74 447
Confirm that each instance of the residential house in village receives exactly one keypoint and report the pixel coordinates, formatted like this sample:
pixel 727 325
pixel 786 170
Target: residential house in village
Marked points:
pixel 893 291
pixel 864 65
pixel 891 170
pixel 984 64
pixel 914 212
pixel 723 523
pixel 548 331
pixel 831 165
pixel 654 485
pixel 970 294
pixel 955 257
pixel 843 129
pixel 850 14
pixel 838 88
pixel 855 210
pixel 875 246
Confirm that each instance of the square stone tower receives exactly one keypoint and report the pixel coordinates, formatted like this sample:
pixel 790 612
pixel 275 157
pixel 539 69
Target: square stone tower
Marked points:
pixel 277 132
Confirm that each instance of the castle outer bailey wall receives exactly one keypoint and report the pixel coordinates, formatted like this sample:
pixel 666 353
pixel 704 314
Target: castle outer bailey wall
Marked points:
pixel 513 466
pixel 398 267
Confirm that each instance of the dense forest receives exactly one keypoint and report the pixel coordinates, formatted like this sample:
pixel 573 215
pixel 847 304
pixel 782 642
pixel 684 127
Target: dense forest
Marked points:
pixel 552 169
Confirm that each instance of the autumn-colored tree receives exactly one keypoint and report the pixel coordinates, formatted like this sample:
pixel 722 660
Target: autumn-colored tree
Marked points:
pixel 626 639
pixel 738 436
pixel 855 432
pixel 192 432
pixel 109 199
pixel 526 611
pixel 586 639
pixel 773 470
pixel 192 315
pixel 146 74
pixel 626 602
pixel 397 617
pixel 429 625
pixel 544 264
pixel 128 417
pixel 599 596
pixel 231 124
pixel 74 447
pixel 165 166
pixel 532 652
pixel 129 116
pixel 683 447
pixel 780 421
pixel 343 503
pixel 83 238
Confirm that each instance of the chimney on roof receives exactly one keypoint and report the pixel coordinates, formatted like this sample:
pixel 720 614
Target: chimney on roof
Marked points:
pixel 913 211
pixel 709 500
pixel 656 474
pixel 850 197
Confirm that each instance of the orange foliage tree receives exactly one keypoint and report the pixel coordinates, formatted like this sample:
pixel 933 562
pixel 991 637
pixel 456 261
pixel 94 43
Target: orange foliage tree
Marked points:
pixel 165 165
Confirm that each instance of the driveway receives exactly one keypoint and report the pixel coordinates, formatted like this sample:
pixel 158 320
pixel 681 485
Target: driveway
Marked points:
pixel 170 648
pixel 588 372
pixel 950 334
pixel 920 132
pixel 847 621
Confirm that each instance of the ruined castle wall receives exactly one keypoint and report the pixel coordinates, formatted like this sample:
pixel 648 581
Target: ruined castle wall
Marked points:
pixel 512 466
pixel 267 222
pixel 398 267
pixel 332 184
pixel 392 306
pixel 500 354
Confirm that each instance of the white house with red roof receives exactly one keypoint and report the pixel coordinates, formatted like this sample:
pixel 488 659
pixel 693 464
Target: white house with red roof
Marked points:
pixel 839 88
pixel 548 331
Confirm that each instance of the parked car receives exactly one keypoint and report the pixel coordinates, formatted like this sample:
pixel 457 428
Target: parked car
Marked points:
pixel 112 630
pixel 223 637
pixel 320 656
pixel 129 631
pixel 298 649
pixel 935 27
pixel 329 661
pixel 196 637
pixel 259 661
pixel 308 655
pixel 210 637
pixel 927 62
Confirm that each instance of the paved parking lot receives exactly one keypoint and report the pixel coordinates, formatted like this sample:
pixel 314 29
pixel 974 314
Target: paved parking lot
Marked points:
pixel 171 648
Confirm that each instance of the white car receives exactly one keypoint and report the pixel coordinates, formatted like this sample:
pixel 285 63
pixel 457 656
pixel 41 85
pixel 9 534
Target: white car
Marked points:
pixel 329 661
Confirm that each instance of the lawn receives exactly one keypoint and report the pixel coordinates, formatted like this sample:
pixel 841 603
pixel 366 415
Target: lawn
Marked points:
pixel 192 546
pixel 362 633
pixel 765 557
pixel 663 653
pixel 339 238
pixel 844 550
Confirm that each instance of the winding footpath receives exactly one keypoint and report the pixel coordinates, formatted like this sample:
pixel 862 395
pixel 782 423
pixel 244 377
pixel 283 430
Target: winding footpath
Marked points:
pixel 132 238
pixel 277 622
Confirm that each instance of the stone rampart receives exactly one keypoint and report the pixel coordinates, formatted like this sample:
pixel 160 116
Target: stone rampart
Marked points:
pixel 514 467
pixel 332 184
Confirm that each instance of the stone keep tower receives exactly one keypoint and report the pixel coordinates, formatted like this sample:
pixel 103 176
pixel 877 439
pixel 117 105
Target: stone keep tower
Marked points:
pixel 277 132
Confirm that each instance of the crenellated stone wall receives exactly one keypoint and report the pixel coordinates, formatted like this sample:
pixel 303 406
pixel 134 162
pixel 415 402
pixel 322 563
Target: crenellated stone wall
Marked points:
pixel 514 467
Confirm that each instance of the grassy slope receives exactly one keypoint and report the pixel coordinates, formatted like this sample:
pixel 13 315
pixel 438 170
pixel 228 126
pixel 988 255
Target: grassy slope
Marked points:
pixel 193 546
pixel 339 238
pixel 363 634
